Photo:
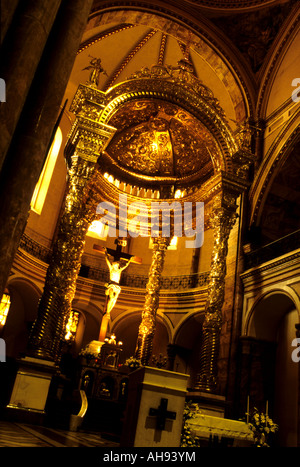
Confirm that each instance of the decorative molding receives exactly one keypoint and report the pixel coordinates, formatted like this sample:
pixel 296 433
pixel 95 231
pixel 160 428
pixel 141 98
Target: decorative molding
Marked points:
pixel 103 35
pixel 286 260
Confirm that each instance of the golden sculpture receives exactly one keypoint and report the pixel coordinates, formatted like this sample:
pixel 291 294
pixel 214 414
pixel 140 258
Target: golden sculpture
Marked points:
pixel 96 70
pixel 115 268
pixel 113 288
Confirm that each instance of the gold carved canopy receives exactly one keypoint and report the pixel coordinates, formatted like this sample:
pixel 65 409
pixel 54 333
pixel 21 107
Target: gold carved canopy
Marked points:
pixel 159 132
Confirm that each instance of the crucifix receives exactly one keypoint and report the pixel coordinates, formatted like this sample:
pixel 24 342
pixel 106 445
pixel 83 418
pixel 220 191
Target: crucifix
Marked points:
pixel 162 414
pixel 116 267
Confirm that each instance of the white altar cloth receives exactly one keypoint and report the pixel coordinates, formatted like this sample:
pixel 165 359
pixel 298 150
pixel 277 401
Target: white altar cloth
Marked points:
pixel 205 425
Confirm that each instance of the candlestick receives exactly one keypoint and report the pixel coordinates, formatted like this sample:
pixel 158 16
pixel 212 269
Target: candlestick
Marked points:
pixel 247 413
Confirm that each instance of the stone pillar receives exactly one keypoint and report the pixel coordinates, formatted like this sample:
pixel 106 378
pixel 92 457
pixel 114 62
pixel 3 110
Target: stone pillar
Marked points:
pixel 171 352
pixel 148 323
pixel 21 53
pixel 8 8
pixel 26 154
pixel 222 221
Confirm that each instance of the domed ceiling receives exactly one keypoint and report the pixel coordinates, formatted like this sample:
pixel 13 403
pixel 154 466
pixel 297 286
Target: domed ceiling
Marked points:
pixel 158 138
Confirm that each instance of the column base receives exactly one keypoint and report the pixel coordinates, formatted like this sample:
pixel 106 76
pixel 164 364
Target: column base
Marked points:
pixel 30 391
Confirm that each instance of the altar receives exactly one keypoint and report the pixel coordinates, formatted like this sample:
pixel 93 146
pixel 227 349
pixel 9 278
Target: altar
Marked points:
pixel 207 426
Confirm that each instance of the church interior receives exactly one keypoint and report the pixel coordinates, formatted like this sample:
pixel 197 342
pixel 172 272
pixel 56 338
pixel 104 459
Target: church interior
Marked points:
pixel 114 109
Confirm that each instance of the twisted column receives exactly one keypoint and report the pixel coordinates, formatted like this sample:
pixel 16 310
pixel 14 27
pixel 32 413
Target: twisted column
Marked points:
pixel 148 323
pixel 60 284
pixel 222 221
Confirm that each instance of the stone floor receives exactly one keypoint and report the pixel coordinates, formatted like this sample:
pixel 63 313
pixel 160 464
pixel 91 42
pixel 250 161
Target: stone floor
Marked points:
pixel 22 435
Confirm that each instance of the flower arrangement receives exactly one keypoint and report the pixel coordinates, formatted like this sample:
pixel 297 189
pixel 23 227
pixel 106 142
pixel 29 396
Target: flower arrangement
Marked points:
pixel 262 426
pixel 133 363
pixel 188 440
pixel 160 361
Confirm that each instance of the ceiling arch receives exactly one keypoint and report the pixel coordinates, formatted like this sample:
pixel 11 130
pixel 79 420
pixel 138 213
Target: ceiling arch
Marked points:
pixel 270 168
pixel 128 40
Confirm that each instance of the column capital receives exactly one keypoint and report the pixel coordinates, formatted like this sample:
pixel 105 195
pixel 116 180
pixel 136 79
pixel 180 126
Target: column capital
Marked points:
pixel 88 136
pixel 226 186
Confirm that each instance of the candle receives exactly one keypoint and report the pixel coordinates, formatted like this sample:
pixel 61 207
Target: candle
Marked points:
pixel 247 413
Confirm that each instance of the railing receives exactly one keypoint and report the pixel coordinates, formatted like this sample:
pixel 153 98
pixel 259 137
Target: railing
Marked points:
pixel 272 250
pixel 35 249
pixel 102 275
pixel 140 281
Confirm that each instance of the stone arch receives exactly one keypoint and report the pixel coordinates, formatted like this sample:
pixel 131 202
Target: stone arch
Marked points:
pixel 283 66
pixel 186 346
pixel 266 313
pixel 25 296
pixel 271 373
pixel 271 166
pixel 89 323
pixel 126 330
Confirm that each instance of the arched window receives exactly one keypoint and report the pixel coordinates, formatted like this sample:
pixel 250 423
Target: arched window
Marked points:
pixel 41 188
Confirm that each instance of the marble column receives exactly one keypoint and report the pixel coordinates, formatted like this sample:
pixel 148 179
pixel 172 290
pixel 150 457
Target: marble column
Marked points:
pixel 222 220
pixel 148 323
pixel 27 151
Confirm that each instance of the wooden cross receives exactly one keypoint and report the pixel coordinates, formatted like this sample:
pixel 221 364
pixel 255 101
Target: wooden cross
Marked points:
pixel 115 268
pixel 162 414
pixel 117 254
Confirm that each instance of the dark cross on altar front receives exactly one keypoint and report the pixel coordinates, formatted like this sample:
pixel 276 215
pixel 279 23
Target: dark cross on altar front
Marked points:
pixel 162 414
